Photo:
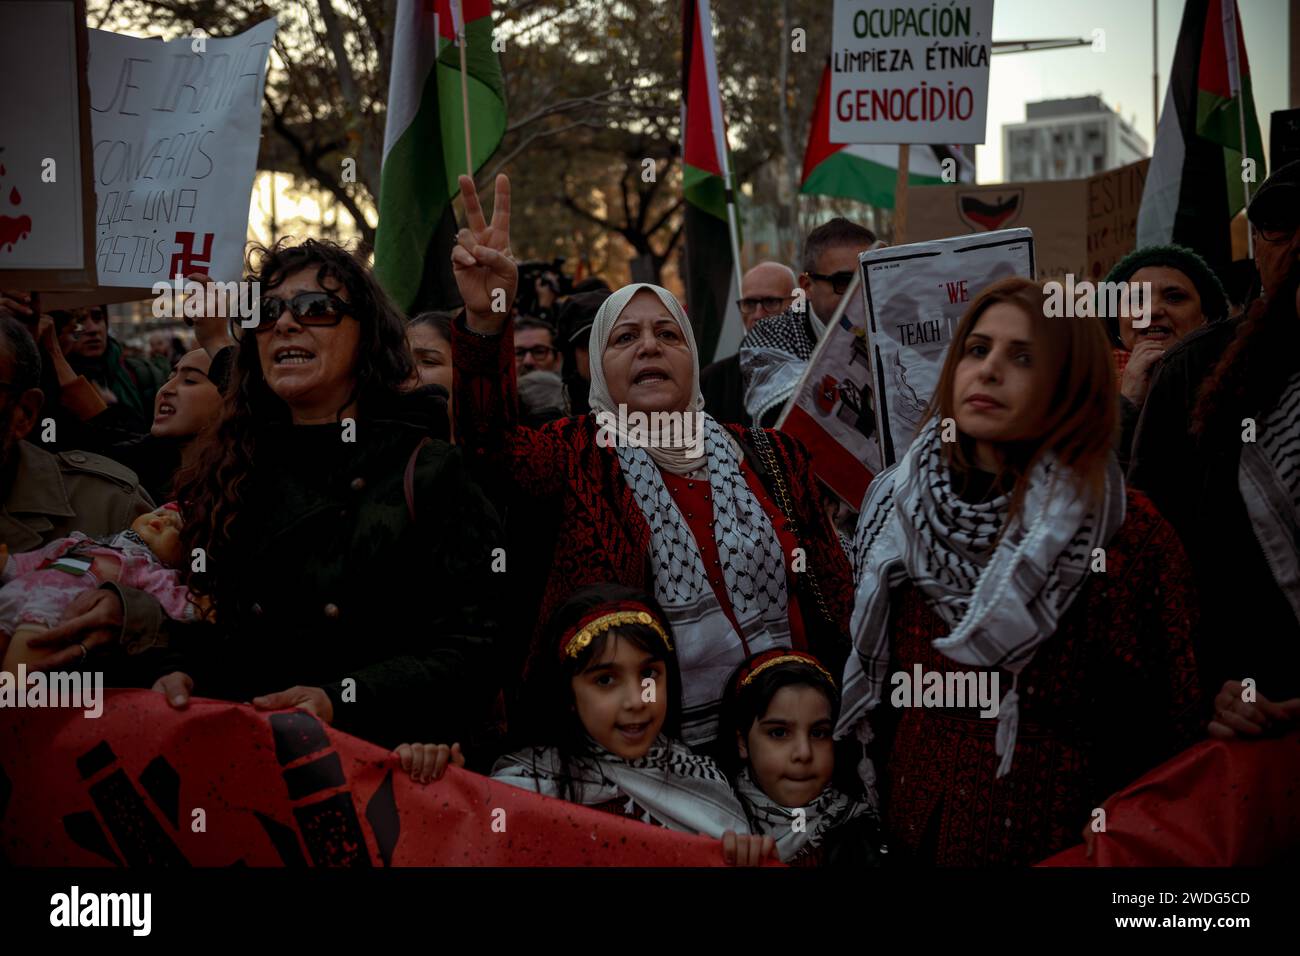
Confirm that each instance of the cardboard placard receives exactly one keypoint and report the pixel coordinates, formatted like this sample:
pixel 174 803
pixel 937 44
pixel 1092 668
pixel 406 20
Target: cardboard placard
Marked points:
pixel 1081 227
pixel 915 295
pixel 910 71
pixel 833 408
pixel 47 198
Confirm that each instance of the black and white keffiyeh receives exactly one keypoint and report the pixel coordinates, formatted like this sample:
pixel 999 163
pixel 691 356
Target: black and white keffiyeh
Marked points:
pixel 1000 596
pixel 801 830
pixel 680 790
pixel 753 569
pixel 773 356
pixel 1269 480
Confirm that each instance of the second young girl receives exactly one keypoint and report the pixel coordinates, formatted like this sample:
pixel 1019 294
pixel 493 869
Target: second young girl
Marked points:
pixel 779 714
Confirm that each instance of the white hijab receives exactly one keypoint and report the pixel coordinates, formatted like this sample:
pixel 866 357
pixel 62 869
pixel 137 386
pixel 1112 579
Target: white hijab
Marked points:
pixel 678 459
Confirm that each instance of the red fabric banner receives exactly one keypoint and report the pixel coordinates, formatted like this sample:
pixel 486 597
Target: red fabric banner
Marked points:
pixel 277 789
pixel 1219 803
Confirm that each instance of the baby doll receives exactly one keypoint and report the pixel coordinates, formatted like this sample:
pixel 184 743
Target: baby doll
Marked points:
pixel 38 585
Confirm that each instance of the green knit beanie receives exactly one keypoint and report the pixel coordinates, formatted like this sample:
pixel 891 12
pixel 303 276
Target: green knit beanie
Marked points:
pixel 1214 299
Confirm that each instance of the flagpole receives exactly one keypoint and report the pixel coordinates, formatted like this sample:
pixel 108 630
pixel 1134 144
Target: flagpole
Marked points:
pixel 900 194
pixel 731 224
pixel 1234 79
pixel 459 15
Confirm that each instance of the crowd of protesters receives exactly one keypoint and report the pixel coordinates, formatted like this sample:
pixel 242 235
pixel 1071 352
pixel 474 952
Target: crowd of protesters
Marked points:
pixel 413 528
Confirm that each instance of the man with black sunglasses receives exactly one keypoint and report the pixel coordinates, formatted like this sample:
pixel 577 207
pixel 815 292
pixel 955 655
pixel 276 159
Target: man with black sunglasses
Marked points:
pixel 774 352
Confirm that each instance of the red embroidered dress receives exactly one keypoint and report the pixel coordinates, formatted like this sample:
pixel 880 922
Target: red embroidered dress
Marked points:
pixel 1109 696
pixel 603 535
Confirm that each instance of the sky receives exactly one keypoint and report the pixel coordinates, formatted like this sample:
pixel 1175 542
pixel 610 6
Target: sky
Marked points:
pixel 1122 74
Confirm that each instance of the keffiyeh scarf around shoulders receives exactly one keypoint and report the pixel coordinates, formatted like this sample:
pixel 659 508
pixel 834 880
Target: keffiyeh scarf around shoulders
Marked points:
pixel 1269 480
pixel 679 789
pixel 753 571
pixel 796 831
pixel 1001 591
pixel 773 356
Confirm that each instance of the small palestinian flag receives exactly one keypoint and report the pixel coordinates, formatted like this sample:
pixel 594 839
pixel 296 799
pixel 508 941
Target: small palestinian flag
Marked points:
pixel 869 172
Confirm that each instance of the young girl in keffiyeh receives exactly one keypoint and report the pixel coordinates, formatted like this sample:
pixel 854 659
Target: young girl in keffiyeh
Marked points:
pixel 601 709
pixel 38 585
pixel 780 711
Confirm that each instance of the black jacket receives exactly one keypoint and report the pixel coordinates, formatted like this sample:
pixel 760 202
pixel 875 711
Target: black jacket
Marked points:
pixel 724 392
pixel 1247 627
pixel 335 580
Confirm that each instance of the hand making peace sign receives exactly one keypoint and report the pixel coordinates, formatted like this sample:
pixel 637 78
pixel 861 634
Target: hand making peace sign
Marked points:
pixel 481 259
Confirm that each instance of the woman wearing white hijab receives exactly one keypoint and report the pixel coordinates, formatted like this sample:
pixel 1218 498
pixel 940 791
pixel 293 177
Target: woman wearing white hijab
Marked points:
pixel 722 522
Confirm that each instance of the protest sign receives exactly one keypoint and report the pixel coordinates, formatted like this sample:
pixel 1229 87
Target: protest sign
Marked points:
pixel 910 71
pixel 1081 227
pixel 221 784
pixel 176 132
pixel 47 200
pixel 915 295
pixel 832 410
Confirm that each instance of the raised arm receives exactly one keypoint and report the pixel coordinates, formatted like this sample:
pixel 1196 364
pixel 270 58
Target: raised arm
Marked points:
pixel 485 398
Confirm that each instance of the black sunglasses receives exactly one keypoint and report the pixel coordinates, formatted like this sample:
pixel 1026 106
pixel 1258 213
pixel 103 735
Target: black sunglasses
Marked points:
pixel 839 280
pixel 307 308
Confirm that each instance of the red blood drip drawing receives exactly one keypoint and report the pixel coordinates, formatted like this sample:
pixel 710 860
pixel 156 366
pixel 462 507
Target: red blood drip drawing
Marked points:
pixel 12 229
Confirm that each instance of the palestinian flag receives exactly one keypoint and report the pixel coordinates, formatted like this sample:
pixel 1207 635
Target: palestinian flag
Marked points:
pixel 1194 185
pixel 711 287
pixel 424 143
pixel 868 172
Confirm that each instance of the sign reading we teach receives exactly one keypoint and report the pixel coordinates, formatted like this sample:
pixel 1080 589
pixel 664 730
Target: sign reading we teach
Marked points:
pixel 176 128
pixel 910 71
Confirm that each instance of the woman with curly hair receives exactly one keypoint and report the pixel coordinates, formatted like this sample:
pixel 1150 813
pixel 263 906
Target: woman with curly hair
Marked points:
pixel 346 554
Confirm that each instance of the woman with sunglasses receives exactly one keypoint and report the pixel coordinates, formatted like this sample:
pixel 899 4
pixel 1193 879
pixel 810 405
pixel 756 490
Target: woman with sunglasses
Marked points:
pixel 346 554
pixel 721 524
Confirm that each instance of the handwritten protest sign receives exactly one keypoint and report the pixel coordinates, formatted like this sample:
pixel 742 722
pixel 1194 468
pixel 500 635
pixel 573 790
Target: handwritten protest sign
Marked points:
pixel 833 409
pixel 915 295
pixel 47 203
pixel 1081 227
pixel 176 128
pixel 910 71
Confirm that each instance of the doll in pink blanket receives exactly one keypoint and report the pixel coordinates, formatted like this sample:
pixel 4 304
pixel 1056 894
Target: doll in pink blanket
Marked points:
pixel 38 585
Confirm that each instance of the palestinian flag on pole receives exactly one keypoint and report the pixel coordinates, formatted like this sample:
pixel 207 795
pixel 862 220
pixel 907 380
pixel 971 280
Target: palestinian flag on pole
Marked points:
pixel 711 284
pixel 868 172
pixel 424 142
pixel 1194 185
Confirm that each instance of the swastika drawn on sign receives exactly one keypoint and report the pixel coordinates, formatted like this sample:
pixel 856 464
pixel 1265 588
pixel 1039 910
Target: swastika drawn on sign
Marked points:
pixel 185 261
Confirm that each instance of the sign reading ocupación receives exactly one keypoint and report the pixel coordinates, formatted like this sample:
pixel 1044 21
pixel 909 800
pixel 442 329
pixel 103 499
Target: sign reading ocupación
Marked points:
pixel 910 71
pixel 176 127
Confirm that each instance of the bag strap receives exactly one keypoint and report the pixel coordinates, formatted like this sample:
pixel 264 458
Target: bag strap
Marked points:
pixel 408 478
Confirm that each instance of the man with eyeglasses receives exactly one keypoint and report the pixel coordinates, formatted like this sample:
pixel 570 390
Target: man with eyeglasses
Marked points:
pixel 775 351
pixel 535 347
pixel 767 289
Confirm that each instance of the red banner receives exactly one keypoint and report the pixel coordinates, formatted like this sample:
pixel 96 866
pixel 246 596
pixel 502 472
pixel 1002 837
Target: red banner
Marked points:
pixel 1219 803
pixel 221 784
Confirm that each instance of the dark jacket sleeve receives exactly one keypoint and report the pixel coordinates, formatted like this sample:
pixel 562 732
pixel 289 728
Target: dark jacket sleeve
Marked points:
pixel 1163 449
pixel 508 457
pixel 443 692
